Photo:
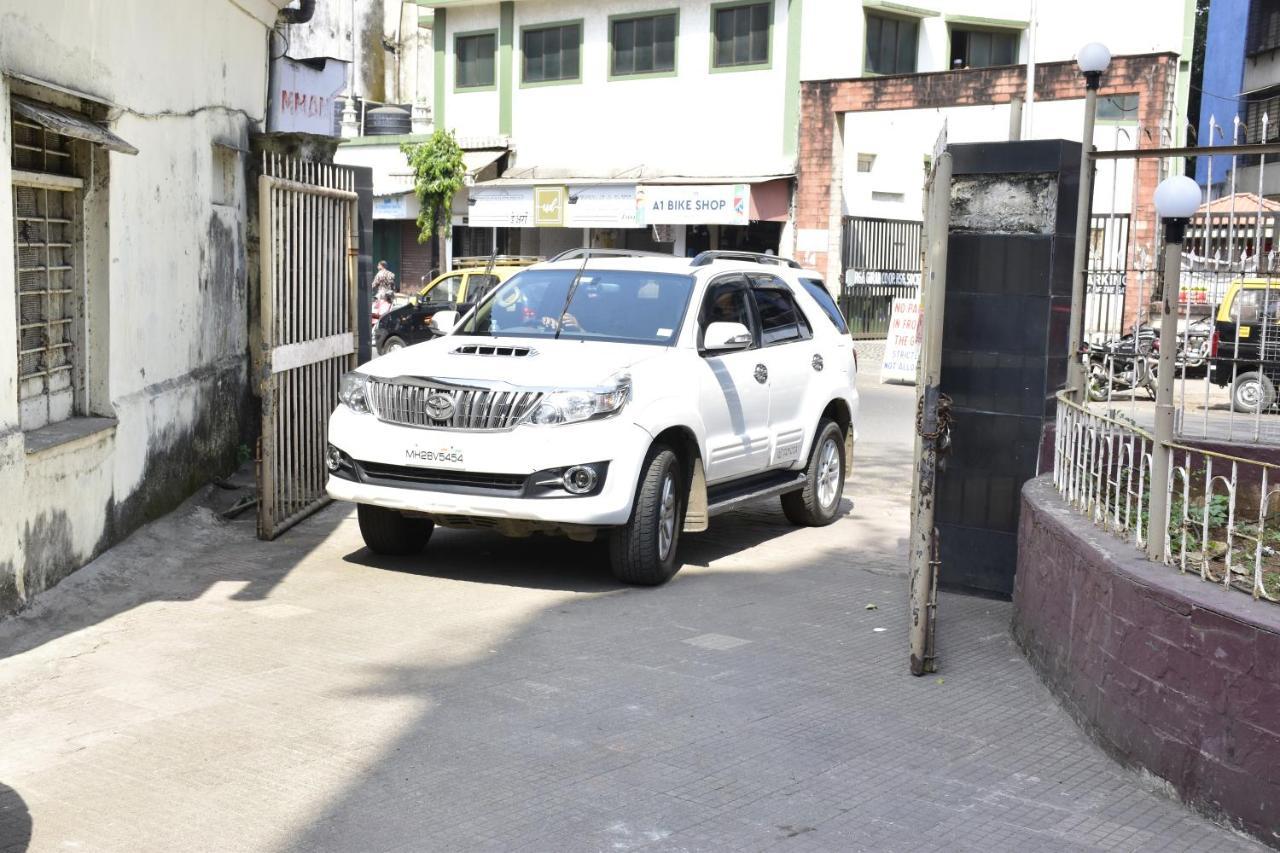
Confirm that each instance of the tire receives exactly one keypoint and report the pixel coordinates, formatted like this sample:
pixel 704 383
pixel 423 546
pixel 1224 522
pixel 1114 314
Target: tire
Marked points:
pixel 643 553
pixel 386 531
pixel 818 503
pixel 391 344
pixel 1252 392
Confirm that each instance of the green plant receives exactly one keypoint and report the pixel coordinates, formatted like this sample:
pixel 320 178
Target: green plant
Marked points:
pixel 438 170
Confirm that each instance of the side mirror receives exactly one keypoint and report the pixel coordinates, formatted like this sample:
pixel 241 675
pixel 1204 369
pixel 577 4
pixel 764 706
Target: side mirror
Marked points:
pixel 726 337
pixel 442 322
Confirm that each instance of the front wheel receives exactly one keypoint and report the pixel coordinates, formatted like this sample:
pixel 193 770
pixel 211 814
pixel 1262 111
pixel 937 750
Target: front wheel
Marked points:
pixel 391 344
pixel 1252 393
pixel 818 502
pixel 644 551
pixel 386 531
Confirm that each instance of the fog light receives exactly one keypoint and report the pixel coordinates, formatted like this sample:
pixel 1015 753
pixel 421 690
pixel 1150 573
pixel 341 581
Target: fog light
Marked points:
pixel 579 479
pixel 333 459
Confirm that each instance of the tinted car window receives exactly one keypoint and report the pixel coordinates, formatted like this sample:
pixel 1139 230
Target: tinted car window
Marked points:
pixel 822 296
pixel 780 319
pixel 727 301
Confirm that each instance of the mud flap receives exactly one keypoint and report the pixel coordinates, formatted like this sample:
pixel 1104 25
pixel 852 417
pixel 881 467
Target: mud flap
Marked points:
pixel 695 514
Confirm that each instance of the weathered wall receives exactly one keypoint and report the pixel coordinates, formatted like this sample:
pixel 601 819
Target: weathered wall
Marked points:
pixel 1167 672
pixel 164 279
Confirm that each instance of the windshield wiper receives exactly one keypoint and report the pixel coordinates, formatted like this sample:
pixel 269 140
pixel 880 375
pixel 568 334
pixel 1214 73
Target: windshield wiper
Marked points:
pixel 568 297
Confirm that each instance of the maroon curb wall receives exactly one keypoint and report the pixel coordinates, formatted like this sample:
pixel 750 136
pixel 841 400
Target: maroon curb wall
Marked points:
pixel 1165 671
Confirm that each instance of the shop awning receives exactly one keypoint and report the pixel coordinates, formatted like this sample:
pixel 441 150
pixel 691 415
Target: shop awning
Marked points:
pixel 477 161
pixel 69 124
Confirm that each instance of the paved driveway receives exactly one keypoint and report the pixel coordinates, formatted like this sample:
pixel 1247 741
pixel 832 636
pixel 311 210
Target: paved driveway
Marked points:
pixel 198 690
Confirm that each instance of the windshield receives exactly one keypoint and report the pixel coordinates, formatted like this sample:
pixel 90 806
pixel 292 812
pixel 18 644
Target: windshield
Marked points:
pixel 610 305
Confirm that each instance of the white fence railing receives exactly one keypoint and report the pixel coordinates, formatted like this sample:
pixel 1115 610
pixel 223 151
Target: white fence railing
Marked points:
pixel 1222 519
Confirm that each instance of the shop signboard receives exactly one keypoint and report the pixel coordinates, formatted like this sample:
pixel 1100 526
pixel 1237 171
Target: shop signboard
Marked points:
pixel 500 207
pixel 548 207
pixel 693 204
pixel 391 206
pixel 606 206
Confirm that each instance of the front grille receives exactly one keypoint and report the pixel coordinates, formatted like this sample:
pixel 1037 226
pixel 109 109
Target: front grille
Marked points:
pixel 469 408
pixel 380 474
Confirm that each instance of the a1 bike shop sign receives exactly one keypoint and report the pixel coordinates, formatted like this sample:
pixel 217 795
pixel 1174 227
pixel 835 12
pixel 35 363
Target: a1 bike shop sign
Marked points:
pixel 902 345
pixel 692 204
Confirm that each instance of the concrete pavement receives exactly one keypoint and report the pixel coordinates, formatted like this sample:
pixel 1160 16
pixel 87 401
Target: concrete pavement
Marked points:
pixel 195 689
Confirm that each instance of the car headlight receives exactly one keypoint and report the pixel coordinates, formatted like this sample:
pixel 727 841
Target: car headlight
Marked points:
pixel 583 404
pixel 353 391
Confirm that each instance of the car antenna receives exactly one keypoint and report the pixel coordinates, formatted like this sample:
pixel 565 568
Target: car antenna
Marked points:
pixel 573 288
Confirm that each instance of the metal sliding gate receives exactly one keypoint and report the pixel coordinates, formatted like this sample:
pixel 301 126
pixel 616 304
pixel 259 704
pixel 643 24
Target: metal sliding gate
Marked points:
pixel 308 315
pixel 882 263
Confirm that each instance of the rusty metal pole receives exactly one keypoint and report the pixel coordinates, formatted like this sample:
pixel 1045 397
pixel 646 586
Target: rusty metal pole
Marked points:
pixel 1177 199
pixel 1158 523
pixel 1077 377
pixel 924 579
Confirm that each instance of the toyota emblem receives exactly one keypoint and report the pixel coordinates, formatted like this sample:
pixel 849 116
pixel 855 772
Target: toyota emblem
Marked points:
pixel 439 406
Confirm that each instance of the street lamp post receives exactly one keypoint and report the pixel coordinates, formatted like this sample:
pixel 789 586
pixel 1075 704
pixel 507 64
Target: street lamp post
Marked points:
pixel 1092 60
pixel 1177 200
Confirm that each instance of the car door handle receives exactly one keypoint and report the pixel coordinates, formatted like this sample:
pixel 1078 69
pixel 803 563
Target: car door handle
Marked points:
pixel 762 374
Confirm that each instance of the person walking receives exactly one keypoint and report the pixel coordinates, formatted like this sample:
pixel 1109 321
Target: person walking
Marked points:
pixel 385 281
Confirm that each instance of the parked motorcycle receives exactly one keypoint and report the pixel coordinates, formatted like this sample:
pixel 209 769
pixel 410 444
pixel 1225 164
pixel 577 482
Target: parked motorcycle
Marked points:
pixel 1127 363
pixel 1131 362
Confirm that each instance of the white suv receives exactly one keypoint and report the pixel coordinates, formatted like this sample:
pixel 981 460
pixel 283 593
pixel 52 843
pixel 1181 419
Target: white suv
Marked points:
pixel 623 393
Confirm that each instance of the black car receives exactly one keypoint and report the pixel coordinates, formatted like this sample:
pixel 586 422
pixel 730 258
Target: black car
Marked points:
pixel 410 323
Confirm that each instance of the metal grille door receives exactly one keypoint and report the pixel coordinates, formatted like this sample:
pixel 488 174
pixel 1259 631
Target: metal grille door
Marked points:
pixel 308 221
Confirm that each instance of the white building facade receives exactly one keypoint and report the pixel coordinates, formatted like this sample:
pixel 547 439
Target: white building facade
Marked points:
pixel 123 332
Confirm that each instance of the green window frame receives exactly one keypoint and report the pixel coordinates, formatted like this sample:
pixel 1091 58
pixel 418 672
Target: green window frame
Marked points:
pixel 644 45
pixel 475 58
pixel 893 44
pixel 742 35
pixel 551 54
pixel 979 47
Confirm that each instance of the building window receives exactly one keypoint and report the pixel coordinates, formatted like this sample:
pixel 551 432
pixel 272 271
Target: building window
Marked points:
pixel 1118 107
pixel 643 45
pixel 741 35
pixel 1259 104
pixel 891 45
pixel 46 210
pixel 983 48
pixel 473 55
pixel 1264 27
pixel 552 54
pixel 866 162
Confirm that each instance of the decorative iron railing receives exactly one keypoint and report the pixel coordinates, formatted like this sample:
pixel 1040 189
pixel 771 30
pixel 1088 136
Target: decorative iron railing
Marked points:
pixel 1222 517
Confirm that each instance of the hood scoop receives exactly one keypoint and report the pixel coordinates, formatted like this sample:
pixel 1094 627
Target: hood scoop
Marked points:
pixel 493 349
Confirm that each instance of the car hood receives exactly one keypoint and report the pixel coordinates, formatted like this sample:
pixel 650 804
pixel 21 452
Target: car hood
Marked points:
pixel 550 363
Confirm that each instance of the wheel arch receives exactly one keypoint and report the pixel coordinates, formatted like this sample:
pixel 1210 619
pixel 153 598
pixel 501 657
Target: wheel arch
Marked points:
pixel 838 410
pixel 684 442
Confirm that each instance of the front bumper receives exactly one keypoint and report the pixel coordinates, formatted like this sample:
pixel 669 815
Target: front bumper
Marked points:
pixel 519 452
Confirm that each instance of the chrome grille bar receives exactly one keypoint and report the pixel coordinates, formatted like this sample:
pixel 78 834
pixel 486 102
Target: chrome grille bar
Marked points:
pixel 474 409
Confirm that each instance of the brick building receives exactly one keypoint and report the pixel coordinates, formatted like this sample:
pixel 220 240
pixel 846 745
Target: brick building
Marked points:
pixel 840 117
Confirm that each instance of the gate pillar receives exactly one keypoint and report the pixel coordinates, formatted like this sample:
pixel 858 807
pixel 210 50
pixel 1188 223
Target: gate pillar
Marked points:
pixel 1004 345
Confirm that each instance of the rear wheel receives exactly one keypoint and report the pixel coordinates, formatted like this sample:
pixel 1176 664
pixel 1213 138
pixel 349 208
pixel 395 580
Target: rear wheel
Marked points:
pixel 818 502
pixel 1252 392
pixel 644 551
pixel 386 531
pixel 391 344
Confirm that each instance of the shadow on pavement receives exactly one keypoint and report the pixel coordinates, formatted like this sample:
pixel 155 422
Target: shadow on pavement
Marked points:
pixel 178 557
pixel 15 821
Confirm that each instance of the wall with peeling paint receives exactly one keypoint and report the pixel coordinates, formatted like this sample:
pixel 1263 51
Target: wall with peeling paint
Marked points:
pixel 163 275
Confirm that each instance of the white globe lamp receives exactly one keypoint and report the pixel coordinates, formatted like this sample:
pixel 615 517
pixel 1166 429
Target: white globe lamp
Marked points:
pixel 1093 58
pixel 1177 198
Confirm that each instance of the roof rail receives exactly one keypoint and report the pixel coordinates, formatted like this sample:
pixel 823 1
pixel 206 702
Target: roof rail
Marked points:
pixel 583 254
pixel 704 258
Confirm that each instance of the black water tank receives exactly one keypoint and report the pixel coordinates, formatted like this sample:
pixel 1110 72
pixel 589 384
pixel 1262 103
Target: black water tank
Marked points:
pixel 387 121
